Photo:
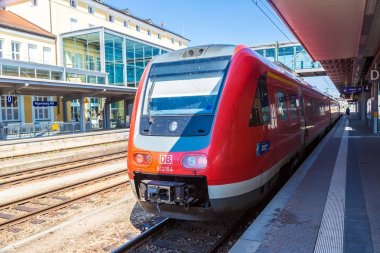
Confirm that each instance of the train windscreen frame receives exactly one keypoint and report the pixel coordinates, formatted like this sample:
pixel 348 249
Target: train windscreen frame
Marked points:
pixel 188 87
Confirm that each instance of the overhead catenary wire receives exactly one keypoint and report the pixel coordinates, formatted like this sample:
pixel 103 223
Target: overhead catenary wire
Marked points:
pixel 273 14
pixel 258 6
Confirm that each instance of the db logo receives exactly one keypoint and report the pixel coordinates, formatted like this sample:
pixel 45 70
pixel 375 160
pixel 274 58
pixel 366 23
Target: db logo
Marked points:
pixel 166 159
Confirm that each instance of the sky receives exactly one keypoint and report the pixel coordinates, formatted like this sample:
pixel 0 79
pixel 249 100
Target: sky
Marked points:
pixel 218 22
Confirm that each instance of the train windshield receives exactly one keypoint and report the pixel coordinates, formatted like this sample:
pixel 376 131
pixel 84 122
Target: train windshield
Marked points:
pixel 188 87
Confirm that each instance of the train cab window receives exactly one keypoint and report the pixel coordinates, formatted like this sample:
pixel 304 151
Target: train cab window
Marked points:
pixel 293 106
pixel 282 110
pixel 260 114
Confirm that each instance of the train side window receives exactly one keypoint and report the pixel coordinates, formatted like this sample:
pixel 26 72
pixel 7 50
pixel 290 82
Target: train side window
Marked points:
pixel 260 114
pixel 281 105
pixel 293 106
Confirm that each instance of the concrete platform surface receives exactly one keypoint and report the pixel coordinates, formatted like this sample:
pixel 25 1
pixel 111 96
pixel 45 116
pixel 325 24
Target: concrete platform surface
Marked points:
pixel 331 204
pixel 45 144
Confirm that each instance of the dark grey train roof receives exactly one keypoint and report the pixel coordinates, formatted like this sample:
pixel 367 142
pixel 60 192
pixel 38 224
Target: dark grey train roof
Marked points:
pixel 198 52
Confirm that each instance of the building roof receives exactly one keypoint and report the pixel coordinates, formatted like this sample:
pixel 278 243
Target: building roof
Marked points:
pixel 12 21
pixel 147 21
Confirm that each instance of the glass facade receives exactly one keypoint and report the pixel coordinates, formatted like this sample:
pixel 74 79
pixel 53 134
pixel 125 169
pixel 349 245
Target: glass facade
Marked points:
pixel 82 51
pixel 294 57
pixel 138 56
pixel 113 46
pixel 125 61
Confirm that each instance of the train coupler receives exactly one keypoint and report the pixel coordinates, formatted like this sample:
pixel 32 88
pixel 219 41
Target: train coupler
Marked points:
pixel 163 192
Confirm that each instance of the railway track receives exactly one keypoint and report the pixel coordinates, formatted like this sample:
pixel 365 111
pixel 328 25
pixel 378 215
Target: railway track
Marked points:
pixel 39 173
pixel 183 236
pixel 28 205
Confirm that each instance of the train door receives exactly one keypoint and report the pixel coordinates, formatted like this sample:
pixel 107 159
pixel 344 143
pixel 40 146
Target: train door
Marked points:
pixel 302 116
pixel 294 123
pixel 282 136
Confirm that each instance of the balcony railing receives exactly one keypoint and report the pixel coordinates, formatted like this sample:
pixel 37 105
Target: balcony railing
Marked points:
pixel 22 69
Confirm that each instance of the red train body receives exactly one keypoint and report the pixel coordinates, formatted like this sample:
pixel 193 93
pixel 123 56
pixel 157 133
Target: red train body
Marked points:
pixel 213 125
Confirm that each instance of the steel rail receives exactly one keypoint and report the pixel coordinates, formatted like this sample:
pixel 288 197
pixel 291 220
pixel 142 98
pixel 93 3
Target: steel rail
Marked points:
pixel 25 217
pixel 143 237
pixel 153 237
pixel 69 187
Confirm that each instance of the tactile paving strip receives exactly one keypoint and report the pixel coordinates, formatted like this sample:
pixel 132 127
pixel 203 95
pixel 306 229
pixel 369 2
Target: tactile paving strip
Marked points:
pixel 330 236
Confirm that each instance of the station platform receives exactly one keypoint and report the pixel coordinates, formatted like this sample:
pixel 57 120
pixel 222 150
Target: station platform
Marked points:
pixel 330 204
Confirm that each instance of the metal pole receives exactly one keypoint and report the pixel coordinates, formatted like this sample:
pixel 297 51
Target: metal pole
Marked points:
pixel 64 110
pixel 82 116
pixel 376 108
pixel 106 116
pixel 363 106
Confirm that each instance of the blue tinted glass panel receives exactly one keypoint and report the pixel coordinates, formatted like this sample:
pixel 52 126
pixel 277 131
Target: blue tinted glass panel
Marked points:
pixel 114 58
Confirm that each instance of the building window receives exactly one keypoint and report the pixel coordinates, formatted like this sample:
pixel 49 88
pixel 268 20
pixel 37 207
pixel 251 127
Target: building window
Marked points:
pixel 34 2
pixel 125 23
pixel 10 108
pixel 32 53
pixel 73 3
pixel 73 24
pixel 180 43
pixel 77 60
pixel 137 28
pixel 111 18
pixel 91 10
pixel 149 32
pixel 1 48
pixel 16 50
pixel 95 111
pixel 41 113
pixel 159 36
pixel 47 55
pixel 90 62
pixel 173 40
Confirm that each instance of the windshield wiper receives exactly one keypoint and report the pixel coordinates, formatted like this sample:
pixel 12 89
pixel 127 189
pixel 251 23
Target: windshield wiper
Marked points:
pixel 151 119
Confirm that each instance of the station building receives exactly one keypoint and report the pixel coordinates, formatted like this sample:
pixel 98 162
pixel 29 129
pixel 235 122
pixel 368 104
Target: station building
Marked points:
pixel 83 43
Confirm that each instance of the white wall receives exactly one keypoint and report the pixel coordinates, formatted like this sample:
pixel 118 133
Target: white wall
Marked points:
pixel 24 39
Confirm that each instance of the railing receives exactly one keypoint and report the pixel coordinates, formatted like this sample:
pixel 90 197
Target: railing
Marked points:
pixel 12 132
pixel 32 70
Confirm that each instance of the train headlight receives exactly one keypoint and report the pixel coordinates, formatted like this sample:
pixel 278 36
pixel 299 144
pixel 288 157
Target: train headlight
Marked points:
pixel 195 161
pixel 142 158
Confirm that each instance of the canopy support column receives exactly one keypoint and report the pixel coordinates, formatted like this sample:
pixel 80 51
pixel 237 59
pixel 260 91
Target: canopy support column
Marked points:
pixel 82 115
pixel 106 116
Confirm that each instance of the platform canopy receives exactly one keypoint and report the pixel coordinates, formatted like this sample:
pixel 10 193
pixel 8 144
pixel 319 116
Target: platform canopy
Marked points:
pixel 68 90
pixel 344 35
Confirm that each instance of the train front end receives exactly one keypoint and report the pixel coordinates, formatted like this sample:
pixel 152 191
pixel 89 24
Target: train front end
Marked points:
pixel 171 131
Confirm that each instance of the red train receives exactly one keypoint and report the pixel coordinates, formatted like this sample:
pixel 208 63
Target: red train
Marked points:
pixel 212 126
